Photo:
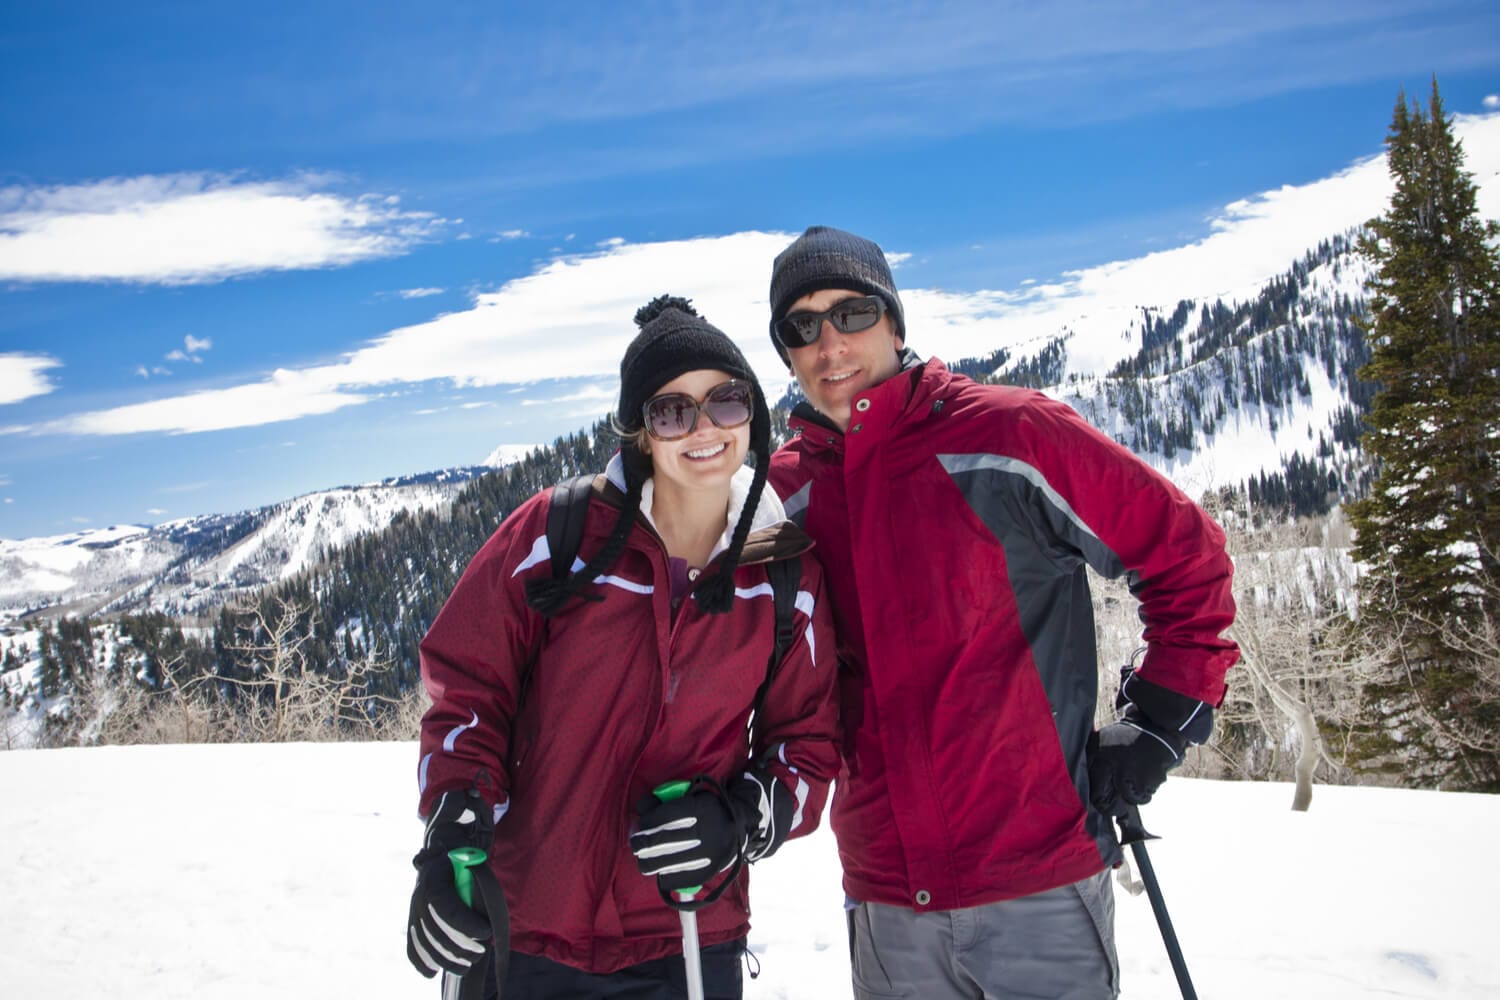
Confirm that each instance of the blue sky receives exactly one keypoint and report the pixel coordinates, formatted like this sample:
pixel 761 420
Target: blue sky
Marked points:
pixel 248 251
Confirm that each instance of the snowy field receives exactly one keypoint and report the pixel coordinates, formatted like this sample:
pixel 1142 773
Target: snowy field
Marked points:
pixel 151 873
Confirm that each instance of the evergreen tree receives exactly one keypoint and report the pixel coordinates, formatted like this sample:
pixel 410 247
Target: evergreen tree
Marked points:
pixel 1429 532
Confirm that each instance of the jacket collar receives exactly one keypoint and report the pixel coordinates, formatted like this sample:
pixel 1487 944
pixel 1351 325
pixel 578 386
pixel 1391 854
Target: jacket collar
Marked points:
pixel 905 385
pixel 768 513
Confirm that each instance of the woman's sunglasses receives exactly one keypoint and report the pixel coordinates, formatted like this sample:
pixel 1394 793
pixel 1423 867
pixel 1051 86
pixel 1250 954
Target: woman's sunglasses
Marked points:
pixel 674 415
pixel 849 316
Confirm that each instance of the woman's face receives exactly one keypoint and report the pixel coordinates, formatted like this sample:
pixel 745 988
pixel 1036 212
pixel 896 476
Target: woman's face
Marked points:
pixel 709 455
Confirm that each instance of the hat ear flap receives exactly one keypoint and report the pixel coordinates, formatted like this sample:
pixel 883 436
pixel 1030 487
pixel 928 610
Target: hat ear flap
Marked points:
pixel 715 594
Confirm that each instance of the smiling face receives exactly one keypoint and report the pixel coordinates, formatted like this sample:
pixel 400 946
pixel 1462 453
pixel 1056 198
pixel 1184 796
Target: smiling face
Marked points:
pixel 839 365
pixel 707 458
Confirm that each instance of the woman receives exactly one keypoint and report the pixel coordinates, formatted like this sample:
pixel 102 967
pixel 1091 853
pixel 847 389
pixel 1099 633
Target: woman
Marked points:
pixel 560 706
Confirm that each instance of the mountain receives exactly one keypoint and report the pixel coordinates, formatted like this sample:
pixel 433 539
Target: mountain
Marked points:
pixel 192 565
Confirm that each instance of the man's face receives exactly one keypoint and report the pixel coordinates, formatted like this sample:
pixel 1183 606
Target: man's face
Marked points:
pixel 839 365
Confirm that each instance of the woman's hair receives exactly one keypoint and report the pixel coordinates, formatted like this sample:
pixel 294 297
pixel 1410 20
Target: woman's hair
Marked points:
pixel 672 341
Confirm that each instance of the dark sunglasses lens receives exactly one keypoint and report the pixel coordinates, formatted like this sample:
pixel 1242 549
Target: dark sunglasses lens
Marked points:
pixel 854 315
pixel 673 416
pixel 728 405
pixel 799 330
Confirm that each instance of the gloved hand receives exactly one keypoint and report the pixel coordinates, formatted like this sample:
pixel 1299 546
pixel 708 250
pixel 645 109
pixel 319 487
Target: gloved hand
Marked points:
pixel 1129 759
pixel 441 932
pixel 687 841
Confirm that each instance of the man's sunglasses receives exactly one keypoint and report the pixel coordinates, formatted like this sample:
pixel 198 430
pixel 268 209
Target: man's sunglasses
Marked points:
pixel 802 329
pixel 674 415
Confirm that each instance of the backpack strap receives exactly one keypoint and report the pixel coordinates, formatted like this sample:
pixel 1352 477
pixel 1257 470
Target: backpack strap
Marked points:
pixel 785 575
pixel 566 515
pixel 567 512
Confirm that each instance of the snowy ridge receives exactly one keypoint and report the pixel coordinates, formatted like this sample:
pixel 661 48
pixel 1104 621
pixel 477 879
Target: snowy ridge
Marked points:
pixel 1210 415
pixel 193 565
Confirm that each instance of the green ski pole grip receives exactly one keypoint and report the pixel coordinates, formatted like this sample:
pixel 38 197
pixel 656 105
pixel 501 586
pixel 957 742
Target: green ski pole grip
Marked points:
pixel 667 791
pixel 463 859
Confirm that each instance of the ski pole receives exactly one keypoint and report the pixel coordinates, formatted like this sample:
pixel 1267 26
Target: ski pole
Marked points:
pixel 692 961
pixel 464 860
pixel 1133 832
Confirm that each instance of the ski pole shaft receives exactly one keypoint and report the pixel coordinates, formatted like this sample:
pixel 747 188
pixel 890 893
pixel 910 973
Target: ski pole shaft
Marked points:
pixel 1159 905
pixel 692 960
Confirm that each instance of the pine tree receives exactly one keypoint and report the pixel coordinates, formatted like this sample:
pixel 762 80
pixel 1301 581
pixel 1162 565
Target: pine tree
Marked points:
pixel 1429 532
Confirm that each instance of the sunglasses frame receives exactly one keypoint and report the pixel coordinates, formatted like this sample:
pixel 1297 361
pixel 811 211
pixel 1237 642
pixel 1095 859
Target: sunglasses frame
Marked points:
pixel 700 409
pixel 827 314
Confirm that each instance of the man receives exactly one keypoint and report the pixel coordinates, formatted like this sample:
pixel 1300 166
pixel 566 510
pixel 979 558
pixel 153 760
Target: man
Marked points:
pixel 955 522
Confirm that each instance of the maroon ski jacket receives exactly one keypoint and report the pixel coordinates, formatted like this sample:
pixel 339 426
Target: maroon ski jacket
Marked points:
pixel 621 698
pixel 955 522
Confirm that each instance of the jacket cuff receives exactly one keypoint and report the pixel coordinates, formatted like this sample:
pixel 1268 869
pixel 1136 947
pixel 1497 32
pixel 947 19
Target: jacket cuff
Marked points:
pixel 1187 719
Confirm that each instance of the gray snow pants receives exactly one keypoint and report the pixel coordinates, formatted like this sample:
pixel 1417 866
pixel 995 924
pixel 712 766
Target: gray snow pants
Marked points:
pixel 1055 945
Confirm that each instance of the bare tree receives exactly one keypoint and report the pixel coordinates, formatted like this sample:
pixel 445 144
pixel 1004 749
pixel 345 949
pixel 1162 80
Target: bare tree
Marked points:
pixel 285 696
pixel 1294 679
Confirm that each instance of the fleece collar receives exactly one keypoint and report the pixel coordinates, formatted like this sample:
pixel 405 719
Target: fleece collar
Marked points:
pixel 768 513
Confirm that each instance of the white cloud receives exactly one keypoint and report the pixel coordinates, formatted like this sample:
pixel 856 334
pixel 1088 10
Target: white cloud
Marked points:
pixel 1492 101
pixel 286 395
pixel 419 293
pixel 572 316
pixel 192 347
pixel 194 228
pixel 23 376
pixel 1250 241
pixel 514 234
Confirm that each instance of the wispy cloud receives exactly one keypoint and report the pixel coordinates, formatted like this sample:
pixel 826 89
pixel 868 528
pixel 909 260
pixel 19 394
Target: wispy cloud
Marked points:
pixel 286 395
pixel 419 293
pixel 191 350
pixel 572 316
pixel 195 228
pixel 23 376
pixel 1492 101
pixel 900 68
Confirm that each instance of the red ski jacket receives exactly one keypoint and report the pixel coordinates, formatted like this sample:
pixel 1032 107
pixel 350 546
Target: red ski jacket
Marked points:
pixel 954 522
pixel 621 698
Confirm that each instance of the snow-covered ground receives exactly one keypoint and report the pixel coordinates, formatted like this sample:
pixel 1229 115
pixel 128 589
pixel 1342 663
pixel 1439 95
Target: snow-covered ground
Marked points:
pixel 283 871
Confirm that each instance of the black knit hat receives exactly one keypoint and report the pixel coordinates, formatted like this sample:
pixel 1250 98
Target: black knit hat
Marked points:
pixel 824 257
pixel 673 340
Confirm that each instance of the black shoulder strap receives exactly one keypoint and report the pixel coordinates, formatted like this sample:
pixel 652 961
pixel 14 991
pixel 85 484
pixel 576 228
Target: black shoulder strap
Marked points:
pixel 784 574
pixel 566 515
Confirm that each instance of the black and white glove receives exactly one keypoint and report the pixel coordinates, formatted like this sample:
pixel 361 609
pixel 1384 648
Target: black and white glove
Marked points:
pixel 1130 758
pixel 443 934
pixel 687 841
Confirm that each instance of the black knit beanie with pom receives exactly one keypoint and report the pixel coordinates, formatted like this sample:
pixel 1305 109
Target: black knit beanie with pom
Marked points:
pixel 673 341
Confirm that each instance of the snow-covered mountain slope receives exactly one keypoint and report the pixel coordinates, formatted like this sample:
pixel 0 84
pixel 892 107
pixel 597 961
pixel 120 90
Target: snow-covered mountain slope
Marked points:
pixel 1220 393
pixel 194 564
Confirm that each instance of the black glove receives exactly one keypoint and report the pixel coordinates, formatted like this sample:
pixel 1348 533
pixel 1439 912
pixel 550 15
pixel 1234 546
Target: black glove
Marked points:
pixel 1129 759
pixel 441 932
pixel 687 841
